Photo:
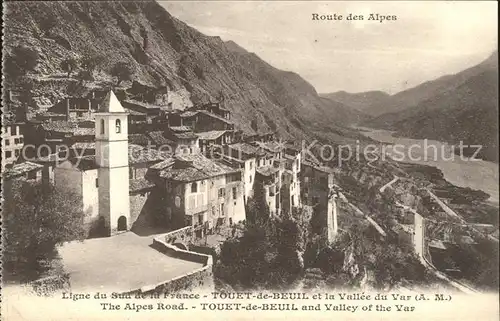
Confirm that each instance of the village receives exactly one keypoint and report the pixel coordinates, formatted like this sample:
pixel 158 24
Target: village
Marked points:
pixel 168 185
pixel 141 165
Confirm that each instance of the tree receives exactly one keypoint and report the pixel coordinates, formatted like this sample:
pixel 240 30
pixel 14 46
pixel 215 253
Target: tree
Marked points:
pixel 69 65
pixel 85 75
pixel 257 209
pixel 267 256
pixel 122 71
pixel 37 217
pixel 21 61
pixel 92 63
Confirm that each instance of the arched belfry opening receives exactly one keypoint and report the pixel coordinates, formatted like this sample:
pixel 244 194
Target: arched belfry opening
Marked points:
pixel 118 125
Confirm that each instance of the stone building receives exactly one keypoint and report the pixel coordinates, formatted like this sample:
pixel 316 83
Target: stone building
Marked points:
pixel 103 180
pixel 202 120
pixel 318 191
pixel 12 143
pixel 199 192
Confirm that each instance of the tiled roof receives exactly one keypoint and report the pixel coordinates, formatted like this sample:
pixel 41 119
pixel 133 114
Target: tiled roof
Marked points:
pixel 134 112
pixel 64 126
pixel 140 184
pixel 84 131
pixel 159 139
pixel 321 168
pixel 20 169
pixel 227 121
pixel 267 170
pixel 83 145
pixel 246 148
pixel 138 139
pixel 195 167
pixel 186 135
pixel 211 135
pixel 163 164
pixel 189 113
pixel 184 174
pixel 271 146
pixel 138 154
pixel 60 126
pixel 180 129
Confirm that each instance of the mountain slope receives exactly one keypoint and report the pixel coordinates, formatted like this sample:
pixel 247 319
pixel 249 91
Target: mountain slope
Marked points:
pixel 196 67
pixel 466 109
pixel 377 103
pixel 366 102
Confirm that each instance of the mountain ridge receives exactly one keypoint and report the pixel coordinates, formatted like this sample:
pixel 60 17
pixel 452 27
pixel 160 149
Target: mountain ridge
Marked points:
pixel 197 68
pixel 465 108
pixel 377 103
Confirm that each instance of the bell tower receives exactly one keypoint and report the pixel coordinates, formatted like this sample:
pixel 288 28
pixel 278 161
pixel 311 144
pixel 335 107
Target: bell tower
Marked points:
pixel 111 136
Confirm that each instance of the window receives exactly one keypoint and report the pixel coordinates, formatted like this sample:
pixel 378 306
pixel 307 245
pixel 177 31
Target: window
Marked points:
pixel 21 140
pixel 32 175
pixel 8 154
pixel 13 130
pixel 251 164
pixel 194 187
pixel 96 182
pixel 16 140
pixel 102 126
pixel 7 142
pixel 221 192
pixel 222 210
pixel 118 125
pixel 17 152
pixel 250 178
pixel 234 193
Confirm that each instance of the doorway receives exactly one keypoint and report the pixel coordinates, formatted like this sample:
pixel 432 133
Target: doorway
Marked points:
pixel 122 223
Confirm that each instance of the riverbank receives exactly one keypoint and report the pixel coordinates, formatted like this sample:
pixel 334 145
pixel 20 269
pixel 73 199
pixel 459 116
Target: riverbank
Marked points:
pixel 466 173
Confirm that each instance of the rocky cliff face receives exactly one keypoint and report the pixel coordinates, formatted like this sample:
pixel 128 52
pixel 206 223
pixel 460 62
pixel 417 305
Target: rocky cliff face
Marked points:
pixel 165 51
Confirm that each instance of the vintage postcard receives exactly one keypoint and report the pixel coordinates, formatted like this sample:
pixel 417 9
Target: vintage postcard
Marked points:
pixel 241 160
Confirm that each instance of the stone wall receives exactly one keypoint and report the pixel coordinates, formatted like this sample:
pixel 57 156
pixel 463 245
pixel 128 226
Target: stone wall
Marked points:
pixel 183 235
pixel 199 279
pixel 137 202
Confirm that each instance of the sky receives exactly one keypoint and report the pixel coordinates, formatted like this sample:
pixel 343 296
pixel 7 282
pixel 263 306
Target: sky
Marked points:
pixel 427 40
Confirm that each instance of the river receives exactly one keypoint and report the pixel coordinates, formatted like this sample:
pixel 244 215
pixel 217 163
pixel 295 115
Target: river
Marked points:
pixel 476 174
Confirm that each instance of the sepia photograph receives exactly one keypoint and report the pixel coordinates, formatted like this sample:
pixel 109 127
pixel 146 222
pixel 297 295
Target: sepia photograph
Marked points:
pixel 250 160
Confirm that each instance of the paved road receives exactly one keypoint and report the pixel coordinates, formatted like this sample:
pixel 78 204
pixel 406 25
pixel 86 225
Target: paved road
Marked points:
pixel 382 189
